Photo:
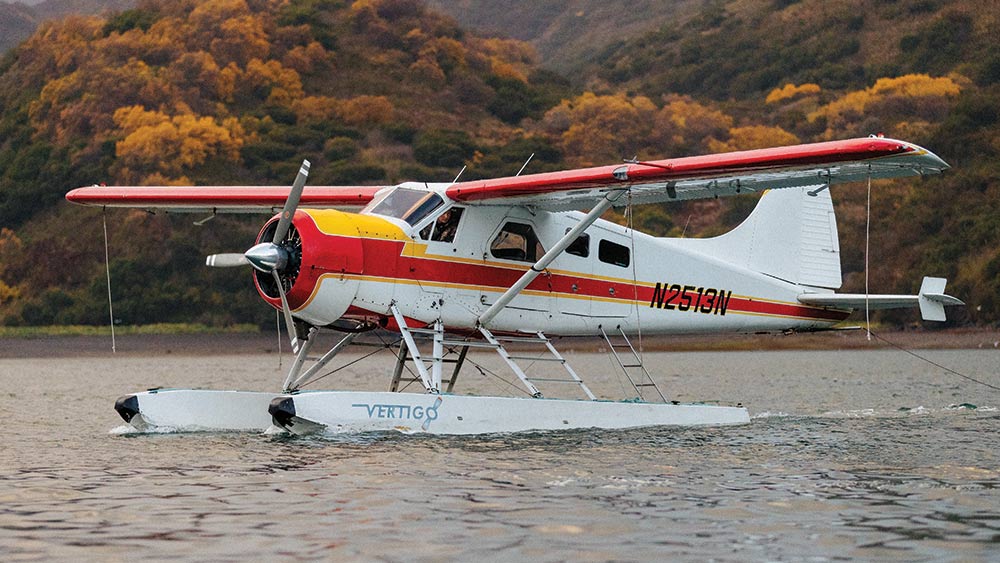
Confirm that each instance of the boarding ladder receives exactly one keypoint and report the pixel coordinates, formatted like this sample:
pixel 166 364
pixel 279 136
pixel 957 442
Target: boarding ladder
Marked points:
pixel 638 376
pixel 429 366
pixel 549 354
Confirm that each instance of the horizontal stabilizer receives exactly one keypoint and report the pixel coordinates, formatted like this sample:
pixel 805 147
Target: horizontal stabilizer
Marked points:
pixel 931 300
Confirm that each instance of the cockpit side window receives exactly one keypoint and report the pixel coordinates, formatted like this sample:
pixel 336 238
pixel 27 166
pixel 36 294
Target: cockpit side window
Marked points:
pixel 408 204
pixel 446 225
pixel 517 241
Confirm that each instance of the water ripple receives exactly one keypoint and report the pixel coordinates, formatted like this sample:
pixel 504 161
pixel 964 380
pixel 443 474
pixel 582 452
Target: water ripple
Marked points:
pixel 899 468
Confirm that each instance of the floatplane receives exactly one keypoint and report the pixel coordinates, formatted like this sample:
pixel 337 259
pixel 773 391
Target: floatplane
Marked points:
pixel 507 264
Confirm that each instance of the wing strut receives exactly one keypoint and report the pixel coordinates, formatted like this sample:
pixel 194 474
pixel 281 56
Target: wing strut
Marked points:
pixel 543 262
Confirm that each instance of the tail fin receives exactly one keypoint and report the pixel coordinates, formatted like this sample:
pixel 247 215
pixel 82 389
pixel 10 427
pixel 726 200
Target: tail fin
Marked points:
pixel 790 235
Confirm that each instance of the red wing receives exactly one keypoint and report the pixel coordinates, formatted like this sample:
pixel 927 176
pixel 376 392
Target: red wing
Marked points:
pixel 695 177
pixel 710 175
pixel 262 199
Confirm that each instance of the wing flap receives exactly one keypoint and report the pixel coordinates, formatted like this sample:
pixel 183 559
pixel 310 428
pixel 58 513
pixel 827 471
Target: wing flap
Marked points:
pixel 709 176
pixel 229 199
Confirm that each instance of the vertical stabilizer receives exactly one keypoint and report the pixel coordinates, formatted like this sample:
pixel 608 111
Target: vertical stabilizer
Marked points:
pixel 790 235
pixel 931 299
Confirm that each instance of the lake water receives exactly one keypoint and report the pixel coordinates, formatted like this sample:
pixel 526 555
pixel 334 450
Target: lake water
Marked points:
pixel 860 454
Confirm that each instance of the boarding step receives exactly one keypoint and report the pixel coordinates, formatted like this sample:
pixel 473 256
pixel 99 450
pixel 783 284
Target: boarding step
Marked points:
pixel 530 339
pixel 430 333
pixel 632 367
pixel 468 343
pixel 537 359
pixel 548 355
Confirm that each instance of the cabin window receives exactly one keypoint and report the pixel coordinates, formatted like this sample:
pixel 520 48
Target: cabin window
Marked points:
pixel 517 241
pixel 580 246
pixel 613 253
pixel 408 204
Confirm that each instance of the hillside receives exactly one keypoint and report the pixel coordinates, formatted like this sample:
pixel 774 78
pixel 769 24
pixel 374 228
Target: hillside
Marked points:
pixel 733 49
pixel 567 34
pixel 17 23
pixel 380 91
pixel 18 20
pixel 228 93
pixel 728 48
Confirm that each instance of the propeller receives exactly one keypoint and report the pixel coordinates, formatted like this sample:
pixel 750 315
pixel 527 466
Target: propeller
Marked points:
pixel 272 257
pixel 228 260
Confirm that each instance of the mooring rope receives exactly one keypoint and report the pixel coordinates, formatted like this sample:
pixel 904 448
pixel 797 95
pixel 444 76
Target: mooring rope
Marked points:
pixel 635 276
pixel 868 223
pixel 933 363
pixel 107 270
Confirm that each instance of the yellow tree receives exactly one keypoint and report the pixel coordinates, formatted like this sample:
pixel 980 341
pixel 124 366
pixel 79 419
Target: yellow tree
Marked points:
pixel 81 104
pixel 159 147
pixel 753 137
pixel 599 129
pixel 888 104
pixel 791 91
pixel 684 126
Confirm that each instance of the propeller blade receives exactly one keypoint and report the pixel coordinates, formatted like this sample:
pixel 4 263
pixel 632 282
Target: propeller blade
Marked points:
pixel 291 203
pixel 289 322
pixel 228 260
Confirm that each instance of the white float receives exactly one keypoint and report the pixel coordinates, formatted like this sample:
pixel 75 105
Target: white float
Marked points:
pixel 196 410
pixel 359 411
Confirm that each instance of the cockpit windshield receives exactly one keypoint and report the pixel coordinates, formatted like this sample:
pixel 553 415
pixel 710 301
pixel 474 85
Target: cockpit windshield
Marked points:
pixel 408 204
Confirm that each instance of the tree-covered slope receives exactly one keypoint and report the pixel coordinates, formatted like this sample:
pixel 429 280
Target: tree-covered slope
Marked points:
pixel 379 91
pixel 231 92
pixel 733 49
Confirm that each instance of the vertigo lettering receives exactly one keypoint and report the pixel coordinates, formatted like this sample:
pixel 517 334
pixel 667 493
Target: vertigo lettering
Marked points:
pixel 425 414
pixel 705 300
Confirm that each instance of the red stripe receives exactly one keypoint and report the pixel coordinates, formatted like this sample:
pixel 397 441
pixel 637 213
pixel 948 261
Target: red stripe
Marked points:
pixel 385 259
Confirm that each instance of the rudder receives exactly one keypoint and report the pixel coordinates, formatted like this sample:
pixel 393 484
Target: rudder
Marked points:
pixel 791 235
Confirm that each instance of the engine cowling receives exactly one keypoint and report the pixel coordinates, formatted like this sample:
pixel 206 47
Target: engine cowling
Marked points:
pixel 324 263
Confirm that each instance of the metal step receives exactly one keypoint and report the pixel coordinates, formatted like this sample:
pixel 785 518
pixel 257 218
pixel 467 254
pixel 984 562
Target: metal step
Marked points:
pixel 537 359
pixel 533 339
pixel 473 344
pixel 553 356
pixel 640 378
